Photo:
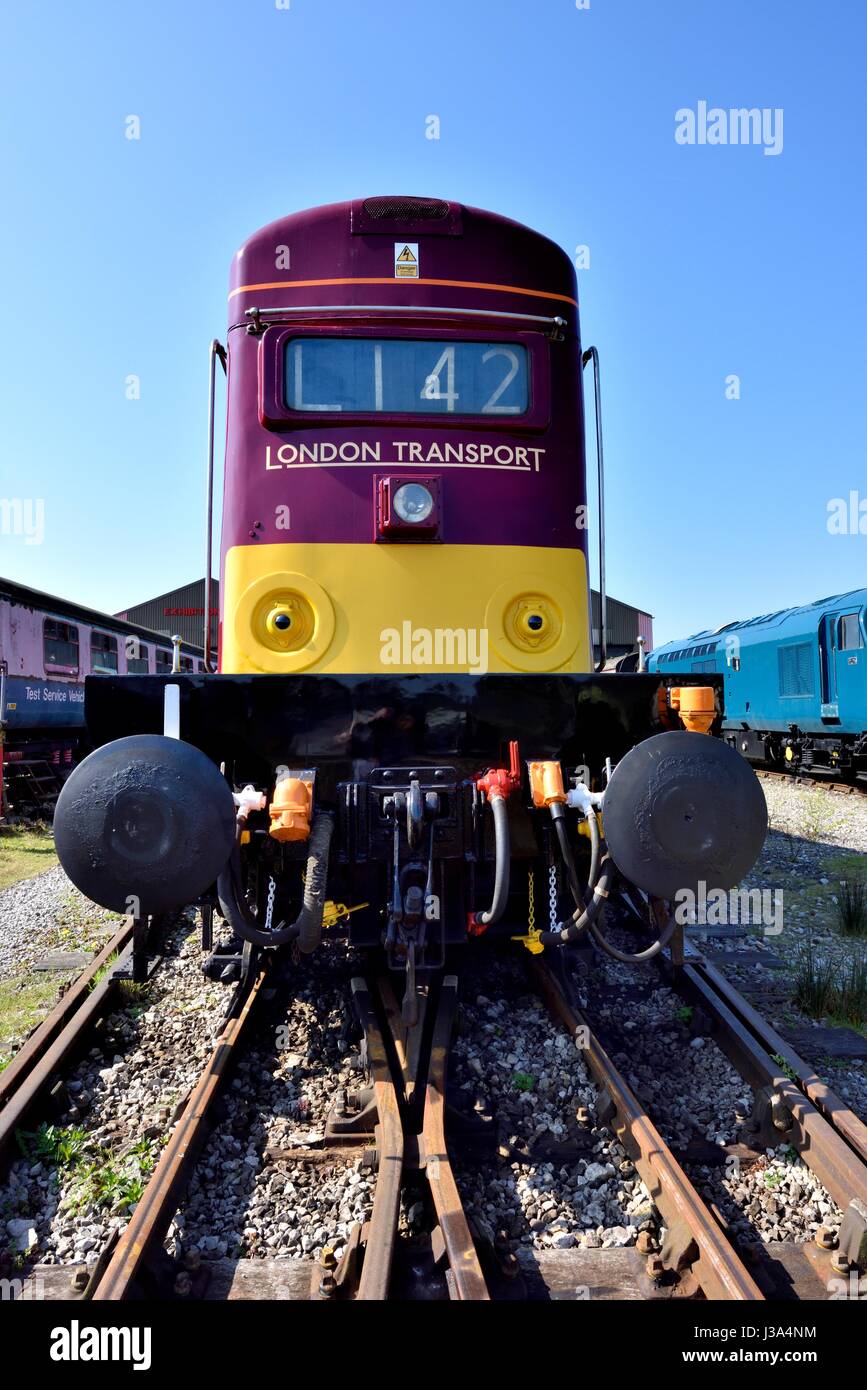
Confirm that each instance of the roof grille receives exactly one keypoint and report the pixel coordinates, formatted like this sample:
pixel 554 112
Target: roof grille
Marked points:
pixel 406 209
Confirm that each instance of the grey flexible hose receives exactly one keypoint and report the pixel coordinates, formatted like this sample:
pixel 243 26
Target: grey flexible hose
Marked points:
pixel 309 920
pixel 584 918
pixel 307 927
pixel 627 957
pixel 595 839
pixel 502 853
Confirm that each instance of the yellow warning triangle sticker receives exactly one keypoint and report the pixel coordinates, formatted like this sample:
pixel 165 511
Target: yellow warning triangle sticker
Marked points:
pixel 406 255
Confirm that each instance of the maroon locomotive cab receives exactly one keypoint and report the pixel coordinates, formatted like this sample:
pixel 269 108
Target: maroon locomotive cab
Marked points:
pixel 406 712
pixel 404 447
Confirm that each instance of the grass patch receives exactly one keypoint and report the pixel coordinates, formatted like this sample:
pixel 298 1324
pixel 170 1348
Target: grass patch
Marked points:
pixel 62 1145
pixel 24 1002
pixel 814 983
pixel 815 821
pixel 850 907
pixel 784 1066
pixel 96 1176
pixel 103 970
pixel 137 992
pixel 79 925
pixel 832 989
pixel 24 852
pixel 850 864
pixel 791 845
pixel 851 1004
pixel 817 817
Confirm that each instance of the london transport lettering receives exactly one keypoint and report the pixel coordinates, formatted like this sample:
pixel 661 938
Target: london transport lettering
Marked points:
pixel 403 452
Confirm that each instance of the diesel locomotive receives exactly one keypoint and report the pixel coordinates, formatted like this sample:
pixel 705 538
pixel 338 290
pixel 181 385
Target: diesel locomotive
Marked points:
pixel 795 683
pixel 405 740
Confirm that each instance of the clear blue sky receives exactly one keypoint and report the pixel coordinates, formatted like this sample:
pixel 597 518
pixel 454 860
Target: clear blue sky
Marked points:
pixel 706 261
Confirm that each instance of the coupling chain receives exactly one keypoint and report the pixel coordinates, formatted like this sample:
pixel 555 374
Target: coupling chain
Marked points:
pixel 269 910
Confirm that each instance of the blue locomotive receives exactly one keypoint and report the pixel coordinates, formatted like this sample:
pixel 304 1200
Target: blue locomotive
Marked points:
pixel 795 683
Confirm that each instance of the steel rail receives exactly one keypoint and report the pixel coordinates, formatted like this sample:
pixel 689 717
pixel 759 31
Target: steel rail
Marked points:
pixel 38 1077
pixel 152 1215
pixel 718 1269
pixel 840 1169
pixel 832 1107
pixel 467 1282
pixel 41 1039
pixel 382 1231
pixel 834 782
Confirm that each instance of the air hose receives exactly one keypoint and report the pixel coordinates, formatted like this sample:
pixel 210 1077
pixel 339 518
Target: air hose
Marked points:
pixel 307 927
pixel 585 917
pixel 502 853
pixel 309 920
pixel 625 956
pixel 559 819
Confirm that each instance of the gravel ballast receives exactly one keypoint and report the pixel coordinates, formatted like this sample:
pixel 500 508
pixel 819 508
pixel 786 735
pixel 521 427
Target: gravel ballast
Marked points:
pixel 575 1185
pixel 34 913
pixel 123 1098
pixel 244 1200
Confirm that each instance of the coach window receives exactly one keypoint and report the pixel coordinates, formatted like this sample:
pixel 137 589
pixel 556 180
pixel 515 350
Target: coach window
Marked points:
pixel 849 633
pixel 60 646
pixel 186 663
pixel 138 657
pixel 103 654
pixel 164 662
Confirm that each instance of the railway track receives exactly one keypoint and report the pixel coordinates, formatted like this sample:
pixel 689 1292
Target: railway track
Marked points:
pixel 31 1072
pixel 401 1123
pixel 402 1127
pixel 793 1104
pixel 814 779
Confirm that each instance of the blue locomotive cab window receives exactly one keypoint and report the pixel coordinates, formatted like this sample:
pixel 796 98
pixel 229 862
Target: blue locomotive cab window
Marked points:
pixel 796 669
pixel 849 637
pixel 403 376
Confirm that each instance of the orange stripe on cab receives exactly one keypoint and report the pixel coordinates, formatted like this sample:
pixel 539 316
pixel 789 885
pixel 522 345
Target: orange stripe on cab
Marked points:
pixel 387 280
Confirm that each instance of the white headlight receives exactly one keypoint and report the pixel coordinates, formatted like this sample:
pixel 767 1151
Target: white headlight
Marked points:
pixel 413 502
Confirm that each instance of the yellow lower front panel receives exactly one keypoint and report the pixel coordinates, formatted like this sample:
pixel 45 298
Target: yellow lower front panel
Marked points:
pixel 401 608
